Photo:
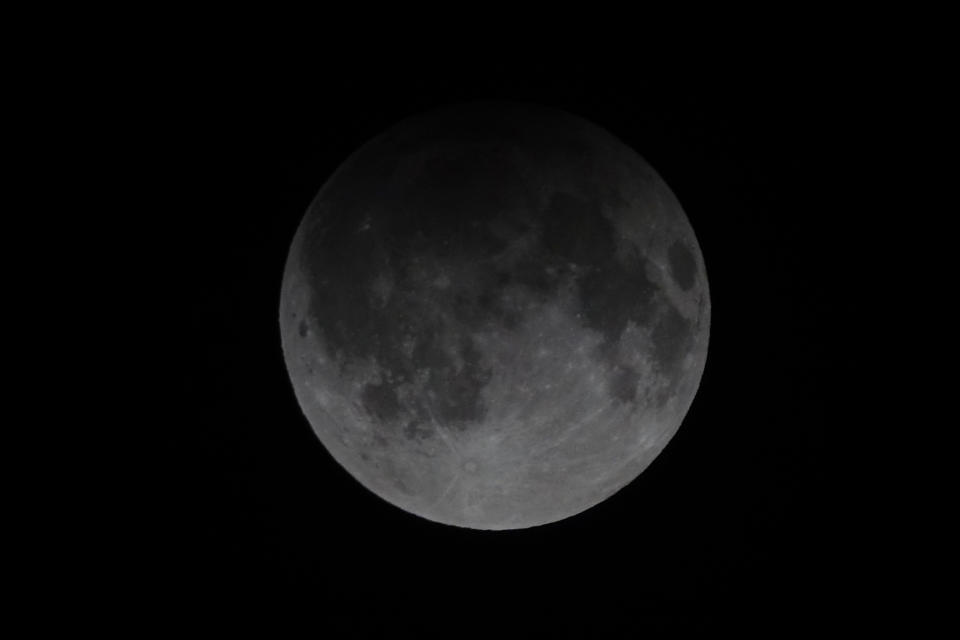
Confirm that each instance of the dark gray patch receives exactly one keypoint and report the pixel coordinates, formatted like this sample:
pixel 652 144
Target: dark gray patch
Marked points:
pixel 416 430
pixel 570 148
pixel 400 484
pixel 623 384
pixel 488 306
pixel 456 395
pixel 540 273
pixel 663 395
pixel 340 273
pixel 453 206
pixel 671 341
pixel 303 329
pixel 428 353
pixel 576 230
pixel 683 266
pixel 381 402
pixel 611 296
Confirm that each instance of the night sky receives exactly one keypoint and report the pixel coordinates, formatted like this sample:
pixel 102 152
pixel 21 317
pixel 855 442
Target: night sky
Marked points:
pixel 731 524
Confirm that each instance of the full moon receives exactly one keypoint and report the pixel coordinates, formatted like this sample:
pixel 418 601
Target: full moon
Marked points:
pixel 495 315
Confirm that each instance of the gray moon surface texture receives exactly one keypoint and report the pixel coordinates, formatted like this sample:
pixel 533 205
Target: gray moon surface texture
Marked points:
pixel 495 315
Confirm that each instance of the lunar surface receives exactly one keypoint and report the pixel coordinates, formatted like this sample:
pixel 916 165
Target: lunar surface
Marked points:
pixel 495 316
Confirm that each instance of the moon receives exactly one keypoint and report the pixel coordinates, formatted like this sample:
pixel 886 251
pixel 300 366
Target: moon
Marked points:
pixel 495 315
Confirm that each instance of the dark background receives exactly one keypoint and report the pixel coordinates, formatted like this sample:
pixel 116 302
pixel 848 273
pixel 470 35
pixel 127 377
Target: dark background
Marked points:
pixel 731 524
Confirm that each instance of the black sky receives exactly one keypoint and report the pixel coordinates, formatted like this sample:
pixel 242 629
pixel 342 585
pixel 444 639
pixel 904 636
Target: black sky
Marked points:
pixel 732 523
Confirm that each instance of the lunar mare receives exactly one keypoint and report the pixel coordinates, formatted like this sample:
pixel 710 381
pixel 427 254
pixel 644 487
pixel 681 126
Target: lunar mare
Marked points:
pixel 495 316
